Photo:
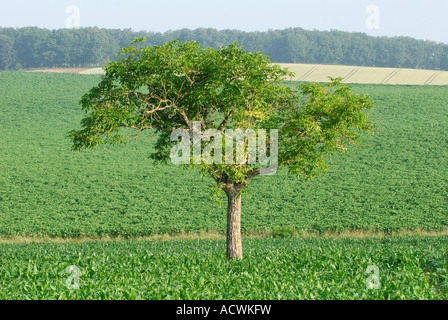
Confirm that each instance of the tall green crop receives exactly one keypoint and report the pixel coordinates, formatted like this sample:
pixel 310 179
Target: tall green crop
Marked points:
pixel 400 268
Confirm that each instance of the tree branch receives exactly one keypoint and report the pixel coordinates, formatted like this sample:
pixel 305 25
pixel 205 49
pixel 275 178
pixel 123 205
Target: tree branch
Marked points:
pixel 224 121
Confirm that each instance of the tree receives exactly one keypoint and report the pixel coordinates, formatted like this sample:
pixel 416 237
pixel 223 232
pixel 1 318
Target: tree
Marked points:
pixel 181 90
pixel 297 45
pixel 7 54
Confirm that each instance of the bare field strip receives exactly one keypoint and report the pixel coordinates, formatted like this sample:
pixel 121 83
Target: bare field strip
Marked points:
pixel 216 235
pixel 350 74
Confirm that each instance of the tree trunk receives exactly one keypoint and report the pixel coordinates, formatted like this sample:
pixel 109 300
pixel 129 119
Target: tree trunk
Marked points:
pixel 234 247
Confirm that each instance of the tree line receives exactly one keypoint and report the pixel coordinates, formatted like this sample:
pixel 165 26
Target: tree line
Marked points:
pixel 33 47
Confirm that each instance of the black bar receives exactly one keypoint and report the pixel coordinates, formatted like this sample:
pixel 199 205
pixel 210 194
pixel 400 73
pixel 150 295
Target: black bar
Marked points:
pixel 227 309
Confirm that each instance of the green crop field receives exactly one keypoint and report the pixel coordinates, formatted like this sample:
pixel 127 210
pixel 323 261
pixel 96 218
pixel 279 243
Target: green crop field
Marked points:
pixel 396 182
pixel 292 269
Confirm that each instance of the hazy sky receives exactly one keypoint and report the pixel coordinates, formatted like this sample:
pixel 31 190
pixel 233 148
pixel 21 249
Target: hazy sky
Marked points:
pixel 426 20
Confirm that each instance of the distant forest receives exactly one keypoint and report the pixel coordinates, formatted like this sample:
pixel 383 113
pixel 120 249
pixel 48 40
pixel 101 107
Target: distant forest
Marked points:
pixel 32 47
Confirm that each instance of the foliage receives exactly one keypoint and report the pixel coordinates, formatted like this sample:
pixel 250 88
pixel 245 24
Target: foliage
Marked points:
pixel 170 87
pixel 331 118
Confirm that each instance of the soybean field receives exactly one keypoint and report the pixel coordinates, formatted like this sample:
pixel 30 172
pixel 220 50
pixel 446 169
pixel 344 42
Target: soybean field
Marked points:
pixel 397 180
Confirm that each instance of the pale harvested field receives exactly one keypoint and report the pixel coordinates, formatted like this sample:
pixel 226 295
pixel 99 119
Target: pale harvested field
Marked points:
pixel 93 71
pixel 353 74
pixel 62 70
pixel 350 74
